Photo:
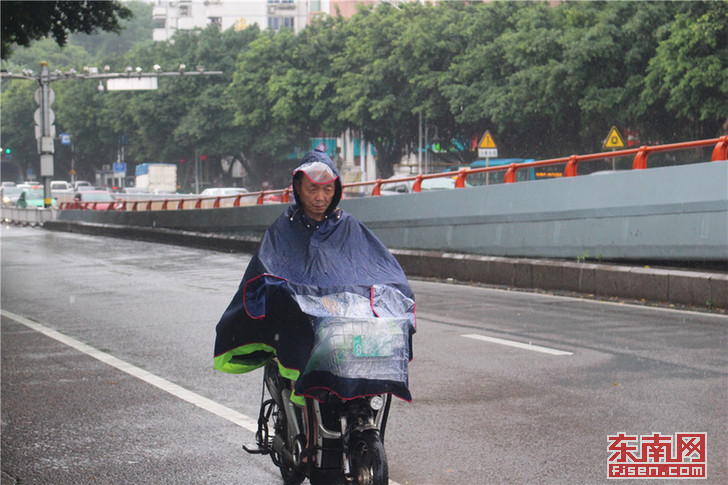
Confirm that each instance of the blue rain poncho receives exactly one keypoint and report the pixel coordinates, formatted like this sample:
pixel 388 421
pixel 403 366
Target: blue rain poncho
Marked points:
pixel 327 299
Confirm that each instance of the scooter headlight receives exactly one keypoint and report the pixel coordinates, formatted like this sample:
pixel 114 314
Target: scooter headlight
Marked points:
pixel 376 403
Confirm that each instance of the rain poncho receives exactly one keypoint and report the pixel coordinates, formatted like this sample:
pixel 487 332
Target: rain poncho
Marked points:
pixel 327 299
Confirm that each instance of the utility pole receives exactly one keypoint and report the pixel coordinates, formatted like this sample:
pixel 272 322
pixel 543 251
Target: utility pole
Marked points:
pixel 46 146
pixel 45 129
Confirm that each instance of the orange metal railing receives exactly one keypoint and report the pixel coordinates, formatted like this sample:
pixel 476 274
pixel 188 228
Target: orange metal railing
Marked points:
pixel 720 152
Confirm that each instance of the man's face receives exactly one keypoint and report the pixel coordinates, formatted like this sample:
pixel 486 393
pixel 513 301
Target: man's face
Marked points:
pixel 315 198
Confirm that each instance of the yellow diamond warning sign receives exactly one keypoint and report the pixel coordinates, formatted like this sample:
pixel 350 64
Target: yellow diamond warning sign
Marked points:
pixel 614 139
pixel 487 141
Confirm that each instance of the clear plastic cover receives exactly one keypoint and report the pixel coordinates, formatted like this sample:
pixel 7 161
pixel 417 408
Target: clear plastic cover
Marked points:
pixel 335 304
pixel 361 348
pixel 360 337
pixel 318 172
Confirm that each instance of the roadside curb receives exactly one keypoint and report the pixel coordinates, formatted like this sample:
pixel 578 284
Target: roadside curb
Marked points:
pixel 676 286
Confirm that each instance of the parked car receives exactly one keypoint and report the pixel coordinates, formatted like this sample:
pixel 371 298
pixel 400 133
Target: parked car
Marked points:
pixel 33 197
pixel 10 194
pixel 228 193
pixel 60 185
pixel 223 191
pixel 92 199
pixel 439 183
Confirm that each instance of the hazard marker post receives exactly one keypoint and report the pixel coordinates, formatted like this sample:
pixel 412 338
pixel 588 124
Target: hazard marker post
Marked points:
pixel 615 142
pixel 487 149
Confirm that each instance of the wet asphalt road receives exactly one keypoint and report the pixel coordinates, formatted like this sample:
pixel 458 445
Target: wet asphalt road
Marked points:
pixel 483 411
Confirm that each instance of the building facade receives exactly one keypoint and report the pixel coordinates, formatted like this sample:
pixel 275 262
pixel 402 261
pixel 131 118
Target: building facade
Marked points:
pixel 172 15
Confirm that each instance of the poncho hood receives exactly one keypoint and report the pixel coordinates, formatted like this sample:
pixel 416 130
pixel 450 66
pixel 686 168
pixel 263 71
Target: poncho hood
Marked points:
pixel 318 167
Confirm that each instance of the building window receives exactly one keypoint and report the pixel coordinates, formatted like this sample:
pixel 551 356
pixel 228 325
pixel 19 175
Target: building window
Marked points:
pixel 184 10
pixel 216 21
pixel 277 23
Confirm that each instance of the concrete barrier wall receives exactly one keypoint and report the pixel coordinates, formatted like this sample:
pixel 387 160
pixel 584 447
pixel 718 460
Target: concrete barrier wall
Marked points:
pixel 675 213
pixel 672 214
pixel 674 286
pixel 29 216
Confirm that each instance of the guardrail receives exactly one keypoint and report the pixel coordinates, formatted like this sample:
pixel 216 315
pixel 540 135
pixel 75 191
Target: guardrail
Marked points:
pixel 27 216
pixel 720 152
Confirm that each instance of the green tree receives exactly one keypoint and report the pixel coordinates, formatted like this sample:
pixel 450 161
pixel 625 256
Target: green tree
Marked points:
pixel 373 93
pixel 106 46
pixel 82 113
pixel 607 47
pixel 261 101
pixel 303 92
pixel 426 49
pixel 688 74
pixel 209 124
pixel 24 22
pixel 17 123
pixel 494 82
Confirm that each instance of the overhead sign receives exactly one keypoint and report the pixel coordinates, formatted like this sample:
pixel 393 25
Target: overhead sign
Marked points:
pixel 120 168
pixel 487 141
pixel 131 83
pixel 614 139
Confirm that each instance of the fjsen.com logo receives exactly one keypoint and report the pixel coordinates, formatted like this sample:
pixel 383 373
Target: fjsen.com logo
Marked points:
pixel 657 456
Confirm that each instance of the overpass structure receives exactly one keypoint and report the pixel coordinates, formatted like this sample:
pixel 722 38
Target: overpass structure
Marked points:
pixel 590 234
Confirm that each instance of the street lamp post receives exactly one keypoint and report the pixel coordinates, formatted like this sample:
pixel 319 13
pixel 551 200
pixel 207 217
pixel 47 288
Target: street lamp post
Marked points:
pixel 44 117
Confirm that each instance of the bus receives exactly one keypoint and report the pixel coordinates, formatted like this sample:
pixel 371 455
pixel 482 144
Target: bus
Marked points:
pixel 531 173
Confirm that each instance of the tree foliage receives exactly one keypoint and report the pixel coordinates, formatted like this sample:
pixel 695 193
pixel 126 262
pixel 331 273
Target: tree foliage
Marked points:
pixel 24 22
pixel 545 80
pixel 688 72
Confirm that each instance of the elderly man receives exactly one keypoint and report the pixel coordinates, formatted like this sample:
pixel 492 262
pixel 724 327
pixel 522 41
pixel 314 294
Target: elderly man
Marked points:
pixel 315 262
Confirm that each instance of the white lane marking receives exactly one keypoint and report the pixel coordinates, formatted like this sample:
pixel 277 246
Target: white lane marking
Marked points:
pixel 520 345
pixel 176 390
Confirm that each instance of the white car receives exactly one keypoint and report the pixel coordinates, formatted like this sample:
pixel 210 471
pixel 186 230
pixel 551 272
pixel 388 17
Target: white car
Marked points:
pixel 439 183
pixel 228 197
pixel 60 185
pixel 223 191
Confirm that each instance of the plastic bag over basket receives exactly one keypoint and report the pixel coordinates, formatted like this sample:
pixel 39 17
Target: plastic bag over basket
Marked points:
pixel 358 353
pixel 358 348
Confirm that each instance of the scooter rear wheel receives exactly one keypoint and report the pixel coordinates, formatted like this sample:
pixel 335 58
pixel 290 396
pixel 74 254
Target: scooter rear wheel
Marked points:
pixel 368 460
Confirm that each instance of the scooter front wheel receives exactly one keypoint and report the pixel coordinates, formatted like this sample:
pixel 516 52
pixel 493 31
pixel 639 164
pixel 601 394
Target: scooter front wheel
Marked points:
pixel 291 476
pixel 368 460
